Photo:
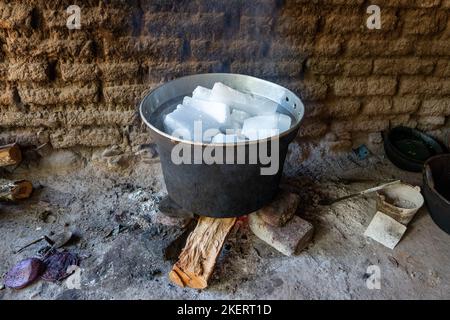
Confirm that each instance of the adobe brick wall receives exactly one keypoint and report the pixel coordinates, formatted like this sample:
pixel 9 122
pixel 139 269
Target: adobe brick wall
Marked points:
pixel 81 87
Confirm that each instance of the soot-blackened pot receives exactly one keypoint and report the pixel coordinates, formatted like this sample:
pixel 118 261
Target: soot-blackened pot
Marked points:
pixel 219 189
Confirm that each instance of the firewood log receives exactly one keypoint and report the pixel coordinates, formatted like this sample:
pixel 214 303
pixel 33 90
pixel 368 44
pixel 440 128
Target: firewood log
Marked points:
pixel 196 262
pixel 10 155
pixel 15 190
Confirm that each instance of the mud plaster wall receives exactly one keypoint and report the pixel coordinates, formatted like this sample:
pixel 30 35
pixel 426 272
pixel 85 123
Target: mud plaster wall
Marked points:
pixel 81 87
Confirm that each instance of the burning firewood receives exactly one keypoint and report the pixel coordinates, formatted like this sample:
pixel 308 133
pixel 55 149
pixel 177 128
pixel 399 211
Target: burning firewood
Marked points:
pixel 198 258
pixel 15 190
pixel 10 155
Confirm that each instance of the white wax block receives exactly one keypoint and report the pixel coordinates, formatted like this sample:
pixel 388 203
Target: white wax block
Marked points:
pixel 216 110
pixel 227 138
pixel 265 106
pixel 231 127
pixel 385 230
pixel 202 93
pixel 261 127
pixel 239 116
pixel 243 101
pixel 184 121
pixel 223 93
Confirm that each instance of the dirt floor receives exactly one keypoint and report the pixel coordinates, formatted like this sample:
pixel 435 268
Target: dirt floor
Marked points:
pixel 127 248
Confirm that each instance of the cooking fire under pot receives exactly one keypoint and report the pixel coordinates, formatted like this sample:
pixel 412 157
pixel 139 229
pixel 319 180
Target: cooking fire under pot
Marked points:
pixel 226 188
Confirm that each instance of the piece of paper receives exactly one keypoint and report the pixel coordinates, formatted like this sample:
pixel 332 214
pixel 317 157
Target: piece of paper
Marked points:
pixel 385 230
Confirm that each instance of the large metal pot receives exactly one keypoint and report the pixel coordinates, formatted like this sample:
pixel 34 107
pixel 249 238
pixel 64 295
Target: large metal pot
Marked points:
pixel 218 190
pixel 436 176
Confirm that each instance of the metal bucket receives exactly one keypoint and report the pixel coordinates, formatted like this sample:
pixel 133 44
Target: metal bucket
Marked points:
pixel 400 201
pixel 219 189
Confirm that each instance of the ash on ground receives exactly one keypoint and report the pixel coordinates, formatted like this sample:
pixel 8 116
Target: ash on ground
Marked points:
pixel 112 201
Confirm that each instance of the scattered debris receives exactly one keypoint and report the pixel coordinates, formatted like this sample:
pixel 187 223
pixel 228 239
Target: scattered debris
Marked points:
pixel 361 152
pixel 10 155
pixel 61 239
pixel 385 230
pixel 49 241
pixel 15 190
pixel 198 258
pixel 24 273
pixel 394 261
pixel 116 230
pixel 289 239
pixel 57 265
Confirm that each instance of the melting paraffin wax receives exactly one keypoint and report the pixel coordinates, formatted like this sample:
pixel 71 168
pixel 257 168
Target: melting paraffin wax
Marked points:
pixel 216 110
pixel 228 138
pixel 202 93
pixel 221 110
pixel 183 121
pixel 261 127
pixel 239 116
pixel 242 101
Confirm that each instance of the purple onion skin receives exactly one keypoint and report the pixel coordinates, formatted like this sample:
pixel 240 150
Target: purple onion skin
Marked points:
pixel 57 264
pixel 24 273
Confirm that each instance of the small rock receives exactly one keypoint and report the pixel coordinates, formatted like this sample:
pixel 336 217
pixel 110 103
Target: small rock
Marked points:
pixel 289 239
pixel 281 210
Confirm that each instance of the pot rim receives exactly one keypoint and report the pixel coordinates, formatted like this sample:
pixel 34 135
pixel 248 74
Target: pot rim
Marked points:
pixel 427 169
pixel 202 144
